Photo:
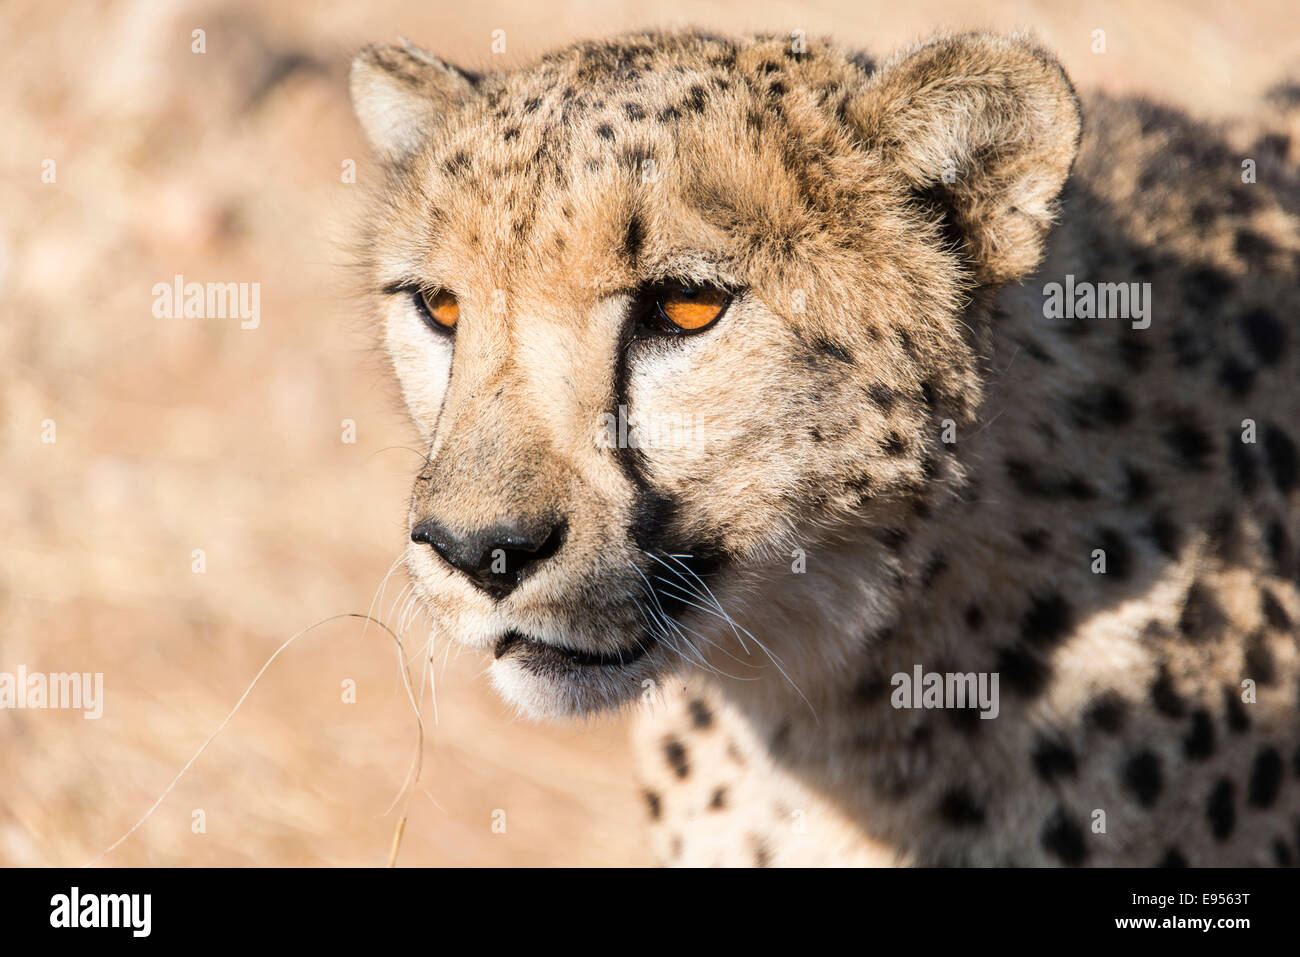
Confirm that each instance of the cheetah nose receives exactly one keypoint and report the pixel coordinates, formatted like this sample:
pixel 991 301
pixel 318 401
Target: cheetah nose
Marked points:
pixel 495 559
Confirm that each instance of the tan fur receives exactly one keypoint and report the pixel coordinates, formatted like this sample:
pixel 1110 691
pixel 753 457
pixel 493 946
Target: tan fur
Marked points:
pixel 890 232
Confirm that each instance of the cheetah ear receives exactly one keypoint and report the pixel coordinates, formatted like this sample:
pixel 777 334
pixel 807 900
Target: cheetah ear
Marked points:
pixel 987 127
pixel 400 94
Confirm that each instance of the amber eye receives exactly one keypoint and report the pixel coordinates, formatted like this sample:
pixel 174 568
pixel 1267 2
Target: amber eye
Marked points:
pixel 438 308
pixel 692 308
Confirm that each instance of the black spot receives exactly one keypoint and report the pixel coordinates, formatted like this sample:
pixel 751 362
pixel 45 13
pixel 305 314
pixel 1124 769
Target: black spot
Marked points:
pixel 974 617
pixel 895 444
pixel 1191 444
pixel 1281 853
pixel 1063 838
pixel 510 134
pixel 530 106
pixel 696 99
pixel 1166 697
pixel 1046 621
pixel 966 720
pixel 1199 742
pixel 1220 811
pixel 1134 353
pixel 1273 611
pixel 1224 535
pixel 1190 348
pixel 1023 669
pixel 1202 617
pixel 1207 286
pixel 719 799
pixel 1279 549
pixel 656 807
pixel 893 538
pixel 1265 778
pixel 835 351
pixel 1259 661
pixel 1235 711
pixel 780 740
pixel 1245 467
pixel 1282 461
pixel 776 88
pixel 1242 201
pixel 960 809
pixel 1030 481
pixel 605 131
pixel 1101 406
pixel 701 716
pixel 675 752
pixel 1164 533
pixel 1053 759
pixel 1036 539
pixel 1107 713
pixel 1266 334
pixel 1119 557
pixel 882 395
pixel 457 163
pixel 1251 245
pixel 1237 377
pixel 1142 777
pixel 1173 858
pixel 633 111
pixel 668 114
pixel 933 569
pixel 1137 484
pixel 862 62
pixel 872 687
pixel 1035 351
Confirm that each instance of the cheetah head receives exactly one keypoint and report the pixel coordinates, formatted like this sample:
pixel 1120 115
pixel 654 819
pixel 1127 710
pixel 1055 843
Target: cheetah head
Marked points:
pixel 669 307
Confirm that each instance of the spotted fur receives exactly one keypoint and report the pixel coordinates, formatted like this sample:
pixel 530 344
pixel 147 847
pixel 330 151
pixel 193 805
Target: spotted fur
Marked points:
pixel 898 459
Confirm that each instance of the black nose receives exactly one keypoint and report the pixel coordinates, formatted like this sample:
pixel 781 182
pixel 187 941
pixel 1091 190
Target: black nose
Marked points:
pixel 495 559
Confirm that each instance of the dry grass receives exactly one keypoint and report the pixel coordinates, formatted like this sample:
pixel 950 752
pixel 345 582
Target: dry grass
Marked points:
pixel 175 435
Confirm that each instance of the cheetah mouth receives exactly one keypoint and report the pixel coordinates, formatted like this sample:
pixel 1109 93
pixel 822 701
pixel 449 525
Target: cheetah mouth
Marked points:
pixel 538 655
pixel 669 601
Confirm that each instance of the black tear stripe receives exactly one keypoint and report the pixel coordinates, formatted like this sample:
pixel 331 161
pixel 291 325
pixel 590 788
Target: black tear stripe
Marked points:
pixel 654 512
pixel 633 239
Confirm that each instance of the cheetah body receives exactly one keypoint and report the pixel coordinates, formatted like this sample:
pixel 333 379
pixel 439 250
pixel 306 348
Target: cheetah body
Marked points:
pixel 1151 711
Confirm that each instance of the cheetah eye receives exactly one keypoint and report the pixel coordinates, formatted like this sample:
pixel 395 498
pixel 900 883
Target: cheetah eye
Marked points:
pixel 678 308
pixel 440 310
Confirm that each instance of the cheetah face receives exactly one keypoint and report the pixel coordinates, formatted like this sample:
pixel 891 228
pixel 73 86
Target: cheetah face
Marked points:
pixel 666 306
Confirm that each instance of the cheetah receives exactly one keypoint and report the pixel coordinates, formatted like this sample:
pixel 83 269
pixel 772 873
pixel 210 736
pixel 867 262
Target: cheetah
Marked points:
pixel 911 444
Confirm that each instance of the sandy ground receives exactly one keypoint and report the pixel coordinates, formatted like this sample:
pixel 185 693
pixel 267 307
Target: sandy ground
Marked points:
pixel 177 435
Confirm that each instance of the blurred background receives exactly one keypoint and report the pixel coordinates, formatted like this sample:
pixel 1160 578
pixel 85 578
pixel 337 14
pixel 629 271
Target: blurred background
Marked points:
pixel 180 495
